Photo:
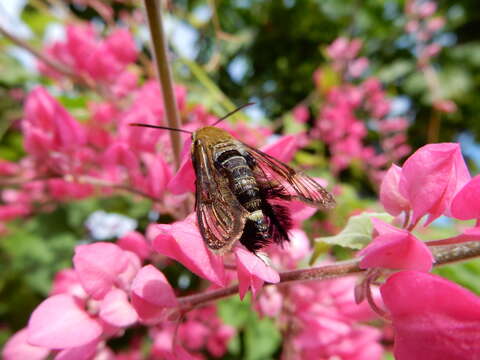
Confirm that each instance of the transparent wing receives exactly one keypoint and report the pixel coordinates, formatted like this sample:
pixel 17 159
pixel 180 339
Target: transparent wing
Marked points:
pixel 221 218
pixel 288 184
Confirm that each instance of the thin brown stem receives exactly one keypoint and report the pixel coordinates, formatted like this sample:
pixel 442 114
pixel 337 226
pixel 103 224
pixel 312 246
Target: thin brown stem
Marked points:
pixel 443 256
pixel 159 45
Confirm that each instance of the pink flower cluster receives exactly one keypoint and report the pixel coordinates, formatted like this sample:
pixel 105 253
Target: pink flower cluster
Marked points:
pixel 423 25
pixel 108 291
pixel 69 159
pixel 97 59
pixel 440 320
pixel 350 110
pixel 321 318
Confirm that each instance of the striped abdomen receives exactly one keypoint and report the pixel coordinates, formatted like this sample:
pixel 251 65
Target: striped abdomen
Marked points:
pixel 244 186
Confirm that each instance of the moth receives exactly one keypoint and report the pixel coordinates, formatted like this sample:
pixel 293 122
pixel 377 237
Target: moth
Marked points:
pixel 241 191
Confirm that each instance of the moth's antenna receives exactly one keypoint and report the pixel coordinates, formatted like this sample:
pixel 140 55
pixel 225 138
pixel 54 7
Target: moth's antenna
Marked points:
pixel 160 127
pixel 232 112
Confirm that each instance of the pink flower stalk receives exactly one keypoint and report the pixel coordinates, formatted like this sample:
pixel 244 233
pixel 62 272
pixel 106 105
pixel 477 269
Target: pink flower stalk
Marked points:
pixel 395 248
pixel 430 179
pixel 432 318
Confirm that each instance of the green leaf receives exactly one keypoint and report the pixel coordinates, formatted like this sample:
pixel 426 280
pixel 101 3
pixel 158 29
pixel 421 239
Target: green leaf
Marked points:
pixel 261 336
pixel 358 231
pixel 234 311
pixel 262 339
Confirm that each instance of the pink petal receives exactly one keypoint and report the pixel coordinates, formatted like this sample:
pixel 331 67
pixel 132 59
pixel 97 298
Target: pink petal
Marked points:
pixel 390 196
pixel 252 272
pixel 433 318
pixel 159 175
pixel 66 281
pixel 136 243
pixel 116 310
pixel 59 323
pixel 98 266
pixel 182 241
pixel 152 286
pixel 465 205
pixel 282 149
pixel 300 211
pixel 431 177
pixel 184 180
pixel 84 352
pixel 397 249
pixel 17 348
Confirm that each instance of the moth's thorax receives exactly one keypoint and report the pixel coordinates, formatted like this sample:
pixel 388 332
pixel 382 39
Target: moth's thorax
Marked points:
pixel 210 136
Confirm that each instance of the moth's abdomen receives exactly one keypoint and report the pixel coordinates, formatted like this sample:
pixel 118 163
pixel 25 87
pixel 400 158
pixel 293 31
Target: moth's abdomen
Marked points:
pixel 245 188
pixel 241 178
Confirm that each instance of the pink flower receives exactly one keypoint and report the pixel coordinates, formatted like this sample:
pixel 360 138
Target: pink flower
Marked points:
pixel 151 293
pixel 100 266
pixel 465 205
pixel 120 43
pixel 342 48
pixel 269 302
pixel 252 272
pixel 426 8
pixel 8 168
pixel 431 177
pixel 283 149
pixel 395 248
pixel 184 180
pixel 158 177
pixel 182 241
pixel 358 67
pixel 136 243
pixel 435 24
pixel 48 126
pixel 116 310
pixel 446 106
pixel 59 323
pixel 390 196
pixel 66 282
pixel 13 211
pixel 300 114
pixel 326 316
pixel 18 348
pixel 433 318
